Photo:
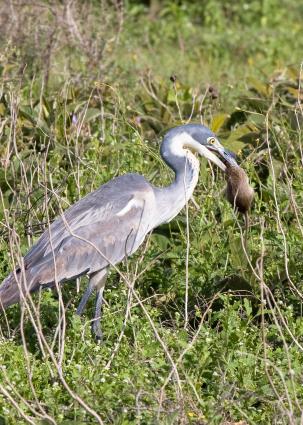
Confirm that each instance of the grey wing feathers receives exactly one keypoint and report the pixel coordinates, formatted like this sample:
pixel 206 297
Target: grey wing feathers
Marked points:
pixel 91 248
pixel 99 206
pixel 91 234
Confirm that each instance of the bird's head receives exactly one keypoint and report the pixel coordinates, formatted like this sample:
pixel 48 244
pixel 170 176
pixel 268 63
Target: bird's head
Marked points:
pixel 200 139
pixel 226 156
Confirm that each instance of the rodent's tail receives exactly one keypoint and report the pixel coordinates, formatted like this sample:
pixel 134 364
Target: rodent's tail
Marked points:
pixel 11 291
pixel 246 221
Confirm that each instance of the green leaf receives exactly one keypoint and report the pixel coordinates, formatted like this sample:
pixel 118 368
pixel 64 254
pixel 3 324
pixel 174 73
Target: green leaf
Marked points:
pixel 237 255
pixel 259 87
pixel 161 241
pixel 235 146
pixel 2 109
pixel 247 306
pixel 91 114
pixel 218 121
pixel 241 136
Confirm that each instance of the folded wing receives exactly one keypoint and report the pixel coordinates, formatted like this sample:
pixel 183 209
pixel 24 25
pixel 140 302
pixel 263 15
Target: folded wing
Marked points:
pixel 99 230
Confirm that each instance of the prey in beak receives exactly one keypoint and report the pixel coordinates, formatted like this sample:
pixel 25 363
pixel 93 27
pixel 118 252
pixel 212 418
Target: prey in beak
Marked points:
pixel 225 155
pixel 239 193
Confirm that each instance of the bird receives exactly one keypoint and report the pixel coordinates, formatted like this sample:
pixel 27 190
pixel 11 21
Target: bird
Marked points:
pixel 111 223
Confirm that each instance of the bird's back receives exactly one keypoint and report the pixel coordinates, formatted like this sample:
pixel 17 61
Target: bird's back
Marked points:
pixel 98 230
pixel 96 207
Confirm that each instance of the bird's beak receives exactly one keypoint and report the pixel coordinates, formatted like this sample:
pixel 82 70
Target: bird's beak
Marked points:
pixel 227 157
pixel 208 150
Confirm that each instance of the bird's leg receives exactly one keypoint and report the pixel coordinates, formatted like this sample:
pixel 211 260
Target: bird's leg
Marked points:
pixel 99 280
pixel 96 325
pixel 85 297
pixel 96 281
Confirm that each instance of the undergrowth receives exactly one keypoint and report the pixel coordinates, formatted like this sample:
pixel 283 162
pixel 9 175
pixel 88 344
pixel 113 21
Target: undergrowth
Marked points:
pixel 87 91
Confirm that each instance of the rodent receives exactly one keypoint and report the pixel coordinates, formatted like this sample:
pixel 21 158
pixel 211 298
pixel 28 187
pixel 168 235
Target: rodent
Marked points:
pixel 239 192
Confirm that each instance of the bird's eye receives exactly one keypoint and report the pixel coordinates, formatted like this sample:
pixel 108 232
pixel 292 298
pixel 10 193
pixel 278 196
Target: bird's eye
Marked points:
pixel 211 140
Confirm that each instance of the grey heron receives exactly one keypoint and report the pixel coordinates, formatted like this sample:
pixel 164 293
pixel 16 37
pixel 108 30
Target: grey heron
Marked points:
pixel 111 223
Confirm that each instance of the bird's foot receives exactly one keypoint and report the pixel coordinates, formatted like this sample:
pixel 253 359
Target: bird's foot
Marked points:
pixel 97 331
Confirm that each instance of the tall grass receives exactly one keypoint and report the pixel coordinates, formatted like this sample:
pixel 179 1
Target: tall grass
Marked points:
pixel 197 328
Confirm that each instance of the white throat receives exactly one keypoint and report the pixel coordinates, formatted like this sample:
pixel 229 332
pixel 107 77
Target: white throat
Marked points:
pixel 178 154
pixel 191 174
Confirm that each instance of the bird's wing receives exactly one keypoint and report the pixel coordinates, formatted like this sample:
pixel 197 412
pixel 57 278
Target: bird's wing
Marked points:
pixel 100 229
pixel 94 247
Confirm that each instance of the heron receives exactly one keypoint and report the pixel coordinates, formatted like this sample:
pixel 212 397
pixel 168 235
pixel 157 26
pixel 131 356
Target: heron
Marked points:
pixel 110 223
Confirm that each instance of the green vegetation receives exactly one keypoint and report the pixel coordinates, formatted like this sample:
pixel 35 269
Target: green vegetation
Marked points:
pixel 87 90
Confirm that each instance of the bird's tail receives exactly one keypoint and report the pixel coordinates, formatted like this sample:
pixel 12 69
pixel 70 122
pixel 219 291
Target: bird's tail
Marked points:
pixel 13 290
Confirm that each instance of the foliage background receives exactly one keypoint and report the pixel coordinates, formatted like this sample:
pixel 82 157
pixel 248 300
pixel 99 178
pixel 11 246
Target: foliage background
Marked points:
pixel 87 89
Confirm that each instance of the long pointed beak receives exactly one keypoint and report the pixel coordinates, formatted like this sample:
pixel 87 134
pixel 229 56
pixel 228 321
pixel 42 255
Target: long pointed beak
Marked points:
pixel 226 156
pixel 207 150
pixel 204 151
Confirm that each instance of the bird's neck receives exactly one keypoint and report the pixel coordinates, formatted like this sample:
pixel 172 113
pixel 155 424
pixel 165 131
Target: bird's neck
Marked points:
pixel 186 178
pixel 186 168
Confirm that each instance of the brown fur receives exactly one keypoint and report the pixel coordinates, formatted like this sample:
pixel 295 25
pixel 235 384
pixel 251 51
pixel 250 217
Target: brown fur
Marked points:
pixel 238 191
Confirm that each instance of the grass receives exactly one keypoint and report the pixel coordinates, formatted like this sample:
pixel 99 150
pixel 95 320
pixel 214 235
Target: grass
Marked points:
pixel 86 95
